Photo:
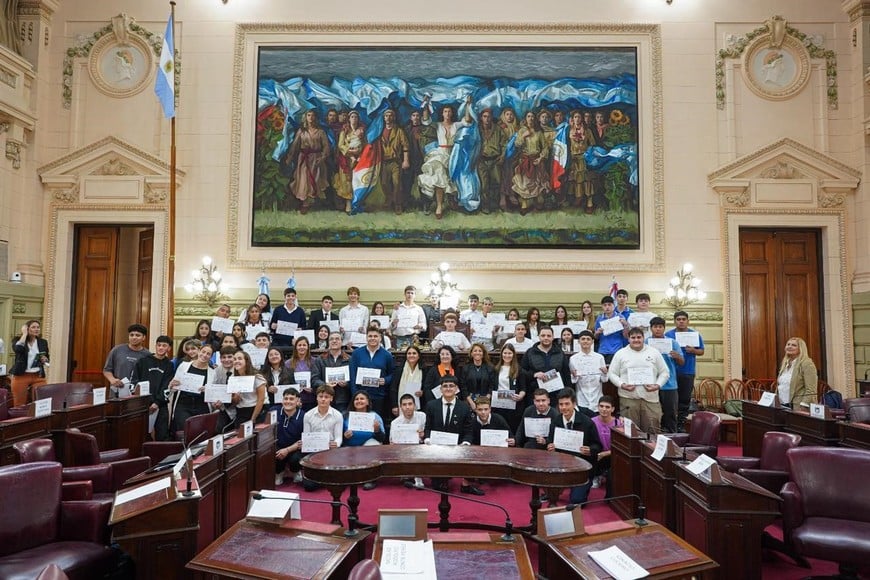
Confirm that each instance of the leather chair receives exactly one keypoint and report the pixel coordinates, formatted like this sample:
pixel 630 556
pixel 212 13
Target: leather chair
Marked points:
pixel 194 426
pixel 5 403
pixel 38 527
pixel 703 436
pixel 83 450
pixel 770 471
pixel 69 394
pixel 857 409
pixel 825 514
pixel 365 570
pixel 52 572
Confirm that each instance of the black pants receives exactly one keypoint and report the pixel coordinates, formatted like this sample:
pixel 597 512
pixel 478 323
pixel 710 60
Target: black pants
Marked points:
pixel 292 461
pixel 161 424
pixel 685 386
pixel 669 401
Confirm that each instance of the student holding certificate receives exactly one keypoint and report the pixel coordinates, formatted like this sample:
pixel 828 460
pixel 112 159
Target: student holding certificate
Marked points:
pixel 477 377
pixel 300 362
pixel 408 319
pixel 449 414
pixel 538 412
pixel 408 416
pixel 324 373
pixel 275 374
pixel 511 378
pixel 519 341
pixel 673 358
pixel 545 357
pixel 608 330
pixel 249 404
pixel 286 314
pixel 288 450
pixel 353 318
pixel 693 347
pixel 565 440
pixel 449 336
pixel 186 387
pixel 588 372
pixel 433 376
pixel 323 419
pixel 371 370
pixel 362 426
pixel 638 371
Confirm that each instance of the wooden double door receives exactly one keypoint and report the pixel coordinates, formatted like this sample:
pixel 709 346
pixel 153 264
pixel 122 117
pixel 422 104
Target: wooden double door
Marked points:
pixel 781 286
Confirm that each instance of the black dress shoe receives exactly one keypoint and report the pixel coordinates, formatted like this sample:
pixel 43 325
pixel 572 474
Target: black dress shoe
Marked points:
pixel 472 489
pixel 441 486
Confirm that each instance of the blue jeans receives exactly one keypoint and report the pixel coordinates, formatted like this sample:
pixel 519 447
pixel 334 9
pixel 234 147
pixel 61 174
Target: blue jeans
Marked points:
pixel 580 493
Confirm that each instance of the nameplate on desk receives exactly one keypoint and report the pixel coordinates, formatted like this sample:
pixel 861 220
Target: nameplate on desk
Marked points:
pixel 701 464
pixel 42 408
pixel 246 429
pixel 144 388
pixel 819 411
pixel 618 564
pixel 661 447
pixel 627 426
pixel 767 399
pixel 273 417
pixel 100 396
pixel 215 445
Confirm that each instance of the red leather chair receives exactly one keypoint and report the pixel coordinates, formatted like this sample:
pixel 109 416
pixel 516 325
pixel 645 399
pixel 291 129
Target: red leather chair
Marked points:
pixel 83 450
pixel 193 430
pixel 704 434
pixel 365 570
pixel 5 402
pixel 857 409
pixel 39 528
pixel 770 471
pixel 52 572
pixel 825 514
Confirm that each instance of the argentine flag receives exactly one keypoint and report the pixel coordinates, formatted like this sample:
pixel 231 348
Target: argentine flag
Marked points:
pixel 164 88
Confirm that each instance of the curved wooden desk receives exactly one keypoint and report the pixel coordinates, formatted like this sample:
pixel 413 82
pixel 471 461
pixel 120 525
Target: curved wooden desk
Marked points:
pixel 352 466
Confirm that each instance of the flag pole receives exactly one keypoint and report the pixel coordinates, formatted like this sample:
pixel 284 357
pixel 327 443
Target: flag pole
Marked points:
pixel 170 323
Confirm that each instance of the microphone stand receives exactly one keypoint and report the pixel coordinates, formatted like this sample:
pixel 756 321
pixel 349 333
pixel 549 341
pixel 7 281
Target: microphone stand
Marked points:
pixel 352 519
pixel 640 521
pixel 508 535
pixel 189 462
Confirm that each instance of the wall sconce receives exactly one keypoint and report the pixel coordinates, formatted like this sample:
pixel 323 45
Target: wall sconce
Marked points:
pixel 442 286
pixel 684 289
pixel 207 283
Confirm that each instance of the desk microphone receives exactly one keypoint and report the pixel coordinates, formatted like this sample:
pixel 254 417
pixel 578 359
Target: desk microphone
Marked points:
pixel 352 519
pixel 189 461
pixel 641 509
pixel 508 535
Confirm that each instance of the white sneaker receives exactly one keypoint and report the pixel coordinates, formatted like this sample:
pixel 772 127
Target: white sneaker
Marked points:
pixel 279 479
pixel 596 482
pixel 418 483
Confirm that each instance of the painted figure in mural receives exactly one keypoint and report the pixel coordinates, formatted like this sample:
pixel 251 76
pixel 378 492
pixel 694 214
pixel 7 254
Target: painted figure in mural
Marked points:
pixel 394 160
pixel 579 182
pixel 419 135
pixel 434 180
pixel 509 126
pixel 530 180
pixel 309 150
pixel 489 164
pixel 351 140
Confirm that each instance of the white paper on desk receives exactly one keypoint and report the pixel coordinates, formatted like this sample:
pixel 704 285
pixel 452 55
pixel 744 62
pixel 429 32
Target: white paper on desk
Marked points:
pixel 688 338
pixel 535 426
pixel 218 393
pixel 568 439
pixel 383 321
pixel 661 447
pixel 405 434
pixel 701 464
pixel 611 325
pixel 309 334
pixel 509 326
pixel 407 560
pixel 275 505
pixel 436 391
pixel 144 388
pixel 337 374
pixel 368 377
pixel 315 441
pixel 357 421
pixel 577 326
pixel 443 438
pixel 552 384
pixel 494 437
pixel 142 491
pixel 663 345
pixel 767 399
pixel 285 328
pixel 411 389
pixel 617 563
pixel 357 338
pixel 640 319
pixel 640 376
pixel 501 399
pixel 240 384
pixel 303 379
pixel 224 325
pixel 332 325
pixel 100 396
pixel 42 408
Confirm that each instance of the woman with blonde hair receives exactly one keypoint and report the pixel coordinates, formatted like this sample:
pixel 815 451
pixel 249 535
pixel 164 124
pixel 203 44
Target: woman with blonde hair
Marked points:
pixel 798 378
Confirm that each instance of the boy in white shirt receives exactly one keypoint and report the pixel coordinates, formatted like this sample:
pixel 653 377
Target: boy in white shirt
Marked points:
pixel 589 384
pixel 410 415
pixel 449 336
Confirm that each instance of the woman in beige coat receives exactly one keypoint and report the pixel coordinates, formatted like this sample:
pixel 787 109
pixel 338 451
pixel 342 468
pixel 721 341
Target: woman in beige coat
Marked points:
pixel 798 378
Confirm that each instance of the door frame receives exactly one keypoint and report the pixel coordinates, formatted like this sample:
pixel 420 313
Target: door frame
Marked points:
pixel 836 303
pixel 61 266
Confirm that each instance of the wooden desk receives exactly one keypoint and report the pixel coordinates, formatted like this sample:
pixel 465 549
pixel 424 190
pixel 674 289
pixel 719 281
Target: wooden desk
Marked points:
pixel 21 429
pixel 476 555
pixel 127 423
pixel 758 420
pixel 209 470
pixel 353 466
pixel 661 552
pixel 264 469
pixel 86 418
pixel 812 431
pixel 855 435
pixel 725 520
pixel 625 454
pixel 657 479
pixel 258 550
pixel 238 478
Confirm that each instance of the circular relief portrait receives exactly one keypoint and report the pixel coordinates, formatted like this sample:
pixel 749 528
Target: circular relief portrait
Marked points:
pixel 776 72
pixel 121 70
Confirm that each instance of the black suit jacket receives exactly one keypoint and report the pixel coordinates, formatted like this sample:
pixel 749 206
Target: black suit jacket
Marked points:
pixel 21 351
pixel 495 422
pixel 317 318
pixel 522 440
pixel 590 435
pixel 460 422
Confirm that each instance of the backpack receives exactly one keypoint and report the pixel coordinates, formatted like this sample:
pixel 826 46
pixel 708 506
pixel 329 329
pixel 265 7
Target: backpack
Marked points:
pixel 832 399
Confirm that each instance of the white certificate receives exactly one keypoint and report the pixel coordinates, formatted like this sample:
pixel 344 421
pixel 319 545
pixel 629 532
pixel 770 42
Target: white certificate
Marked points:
pixel 577 326
pixel 501 399
pixel 640 319
pixel 332 325
pixel 443 438
pixel 535 426
pixel 551 382
pixel 494 437
pixel 357 338
pixel 688 339
pixel 611 325
pixel 407 320
pixel 509 326
pixel 383 321
pixel 405 433
pixel 309 334
pixel 568 439
pixel 240 384
pixel 224 325
pixel 586 366
pixel 352 322
pixel 701 464
pixel 315 441
pixel 286 328
pixel 495 318
pixel 661 447
pixel 190 383
pixel 302 378
pixel 357 421
pixel 218 393
pixel 252 330
pixel 640 376
pixel 368 377
pixel 558 328
pixel 411 389
pixel 663 345
pixel 337 374
pixel 482 330
pixel 258 357
pixel 436 391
